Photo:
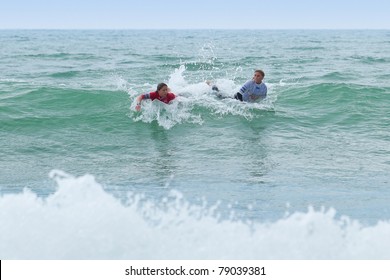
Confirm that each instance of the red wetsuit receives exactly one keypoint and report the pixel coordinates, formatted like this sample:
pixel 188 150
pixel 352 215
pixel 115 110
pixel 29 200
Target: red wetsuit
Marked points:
pixel 154 95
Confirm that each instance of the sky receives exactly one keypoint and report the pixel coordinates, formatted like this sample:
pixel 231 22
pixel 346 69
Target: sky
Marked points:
pixel 194 14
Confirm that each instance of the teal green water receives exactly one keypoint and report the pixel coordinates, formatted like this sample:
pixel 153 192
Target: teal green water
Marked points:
pixel 321 138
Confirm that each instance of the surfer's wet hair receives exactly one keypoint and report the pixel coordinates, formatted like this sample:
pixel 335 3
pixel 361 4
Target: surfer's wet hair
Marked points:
pixel 261 72
pixel 161 85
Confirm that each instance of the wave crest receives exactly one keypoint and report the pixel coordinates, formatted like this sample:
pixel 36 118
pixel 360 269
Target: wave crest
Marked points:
pixel 82 221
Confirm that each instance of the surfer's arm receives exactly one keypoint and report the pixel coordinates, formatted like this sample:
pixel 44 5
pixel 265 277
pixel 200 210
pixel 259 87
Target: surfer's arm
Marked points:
pixel 245 87
pixel 139 99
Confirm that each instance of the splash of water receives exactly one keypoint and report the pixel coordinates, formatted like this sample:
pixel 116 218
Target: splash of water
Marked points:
pixel 82 221
pixel 196 101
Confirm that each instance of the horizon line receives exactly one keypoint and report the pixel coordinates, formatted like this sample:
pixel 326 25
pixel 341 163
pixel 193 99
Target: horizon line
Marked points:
pixel 188 29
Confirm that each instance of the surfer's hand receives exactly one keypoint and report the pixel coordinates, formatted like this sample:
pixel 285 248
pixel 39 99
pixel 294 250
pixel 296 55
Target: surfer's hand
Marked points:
pixel 138 107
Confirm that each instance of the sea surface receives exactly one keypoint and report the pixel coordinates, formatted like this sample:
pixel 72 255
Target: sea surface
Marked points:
pixel 303 174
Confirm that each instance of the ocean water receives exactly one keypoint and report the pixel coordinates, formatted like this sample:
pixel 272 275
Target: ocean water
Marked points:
pixel 303 174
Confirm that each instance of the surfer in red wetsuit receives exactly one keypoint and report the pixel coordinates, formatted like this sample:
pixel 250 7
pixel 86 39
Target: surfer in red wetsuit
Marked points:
pixel 162 93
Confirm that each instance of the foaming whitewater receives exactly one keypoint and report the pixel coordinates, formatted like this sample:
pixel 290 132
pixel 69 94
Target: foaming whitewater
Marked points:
pixel 195 102
pixel 80 220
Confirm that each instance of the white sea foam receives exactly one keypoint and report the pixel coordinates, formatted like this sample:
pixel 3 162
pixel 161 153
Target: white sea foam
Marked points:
pixel 82 221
